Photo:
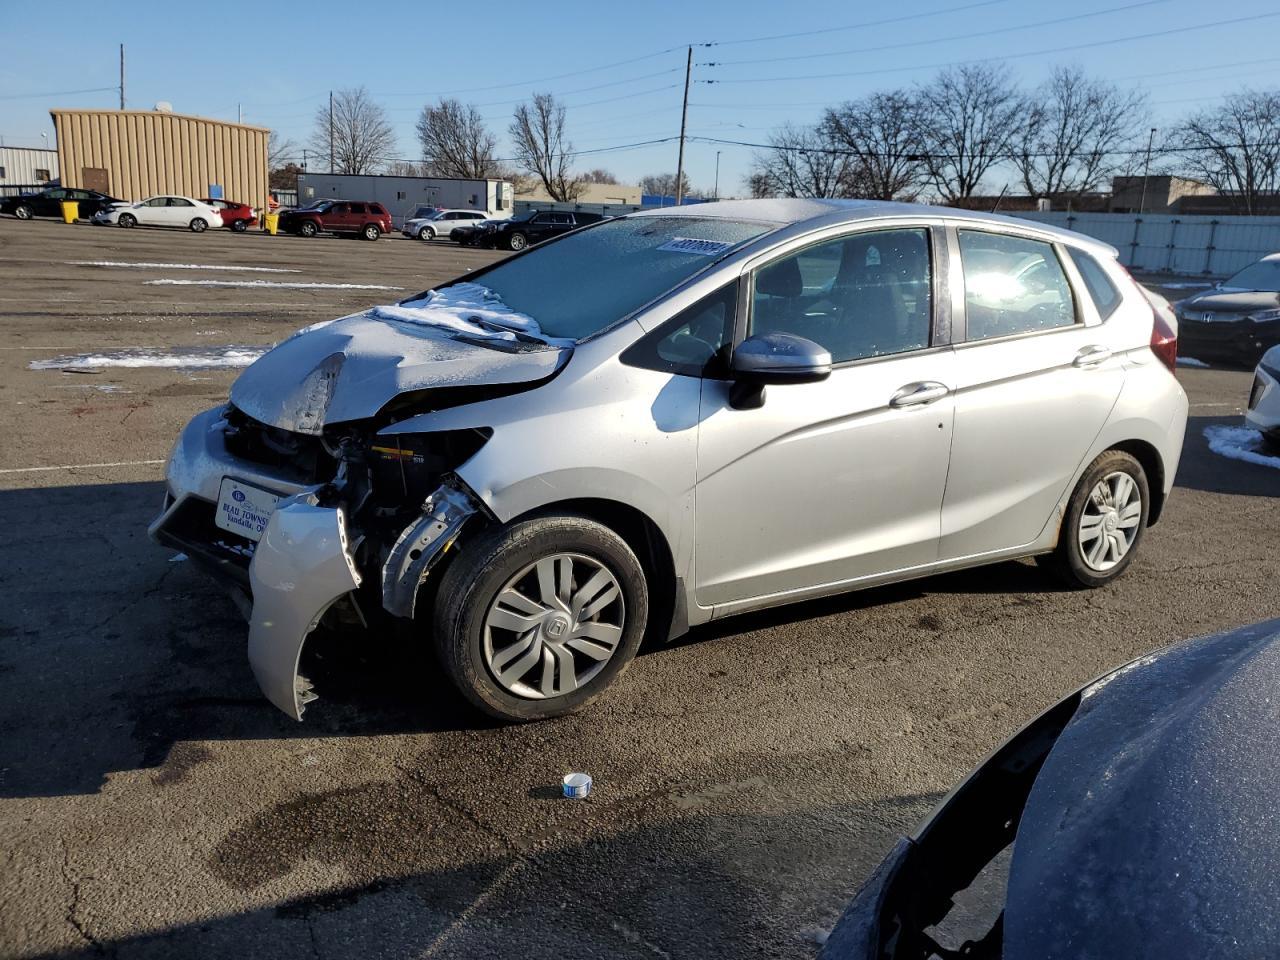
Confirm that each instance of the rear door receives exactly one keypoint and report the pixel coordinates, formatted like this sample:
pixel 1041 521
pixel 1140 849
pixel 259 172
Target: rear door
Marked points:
pixel 831 482
pixel 1035 385
pixel 181 211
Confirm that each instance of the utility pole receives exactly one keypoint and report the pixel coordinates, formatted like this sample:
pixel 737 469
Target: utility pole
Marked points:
pixel 331 131
pixel 239 113
pixel 684 116
pixel 1146 171
pixel 716 191
pixel 122 76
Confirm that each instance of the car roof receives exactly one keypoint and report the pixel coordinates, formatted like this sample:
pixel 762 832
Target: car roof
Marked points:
pixel 813 213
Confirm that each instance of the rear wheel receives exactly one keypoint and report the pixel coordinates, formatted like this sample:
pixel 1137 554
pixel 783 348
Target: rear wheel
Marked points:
pixel 536 619
pixel 371 231
pixel 307 229
pixel 517 241
pixel 198 225
pixel 23 212
pixel 1104 523
pixel 127 220
pixel 240 226
pixel 426 233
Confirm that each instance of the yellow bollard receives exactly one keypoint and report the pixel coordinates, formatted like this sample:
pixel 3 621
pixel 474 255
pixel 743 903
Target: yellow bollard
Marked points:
pixel 273 223
pixel 70 211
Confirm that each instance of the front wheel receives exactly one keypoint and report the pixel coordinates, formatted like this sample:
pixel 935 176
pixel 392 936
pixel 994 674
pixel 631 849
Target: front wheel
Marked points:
pixel 23 212
pixel 307 229
pixel 1104 523
pixel 536 619
pixel 517 241
pixel 127 220
pixel 426 233
pixel 198 225
pixel 371 231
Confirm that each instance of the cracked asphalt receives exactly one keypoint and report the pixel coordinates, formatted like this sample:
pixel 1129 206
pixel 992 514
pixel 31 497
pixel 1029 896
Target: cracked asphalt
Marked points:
pixel 748 777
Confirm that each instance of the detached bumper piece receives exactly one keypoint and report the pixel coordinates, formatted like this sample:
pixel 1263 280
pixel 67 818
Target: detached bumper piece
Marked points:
pixel 301 567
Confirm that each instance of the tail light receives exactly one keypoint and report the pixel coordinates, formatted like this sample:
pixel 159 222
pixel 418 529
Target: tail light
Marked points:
pixel 1164 342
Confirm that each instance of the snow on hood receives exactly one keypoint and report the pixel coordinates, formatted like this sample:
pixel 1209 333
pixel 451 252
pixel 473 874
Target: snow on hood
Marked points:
pixel 467 308
pixel 349 369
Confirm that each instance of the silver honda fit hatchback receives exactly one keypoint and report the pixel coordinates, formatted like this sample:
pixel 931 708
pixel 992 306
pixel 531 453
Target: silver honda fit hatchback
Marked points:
pixel 675 416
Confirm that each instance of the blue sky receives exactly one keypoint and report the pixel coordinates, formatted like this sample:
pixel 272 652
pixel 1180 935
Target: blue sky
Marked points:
pixel 775 61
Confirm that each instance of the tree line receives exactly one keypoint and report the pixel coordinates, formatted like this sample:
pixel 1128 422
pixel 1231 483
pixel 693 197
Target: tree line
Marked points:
pixel 1065 138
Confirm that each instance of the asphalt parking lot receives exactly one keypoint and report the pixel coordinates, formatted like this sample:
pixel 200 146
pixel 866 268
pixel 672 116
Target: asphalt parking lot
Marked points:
pixel 748 777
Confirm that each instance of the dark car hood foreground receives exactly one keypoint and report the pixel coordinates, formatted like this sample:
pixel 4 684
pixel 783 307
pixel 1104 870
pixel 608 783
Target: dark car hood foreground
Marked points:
pixel 351 368
pixel 1153 828
pixel 1243 302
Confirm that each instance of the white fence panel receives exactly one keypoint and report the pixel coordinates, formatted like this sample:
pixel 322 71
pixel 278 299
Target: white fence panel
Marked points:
pixel 1173 243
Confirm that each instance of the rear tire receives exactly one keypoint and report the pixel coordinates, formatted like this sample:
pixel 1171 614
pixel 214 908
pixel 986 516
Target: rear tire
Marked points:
pixel 23 212
pixel 198 225
pixel 1105 520
pixel 127 220
pixel 240 226
pixel 475 651
pixel 371 231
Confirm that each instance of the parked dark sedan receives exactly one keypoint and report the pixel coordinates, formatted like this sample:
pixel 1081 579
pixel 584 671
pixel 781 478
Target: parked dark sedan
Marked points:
pixel 530 227
pixel 1142 815
pixel 1238 320
pixel 48 203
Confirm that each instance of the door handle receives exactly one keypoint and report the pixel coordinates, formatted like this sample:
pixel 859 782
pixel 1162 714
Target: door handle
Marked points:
pixel 918 394
pixel 1091 356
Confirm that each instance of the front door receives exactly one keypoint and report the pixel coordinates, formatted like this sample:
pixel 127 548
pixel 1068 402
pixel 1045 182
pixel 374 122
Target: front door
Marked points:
pixel 831 482
pixel 153 212
pixel 1035 386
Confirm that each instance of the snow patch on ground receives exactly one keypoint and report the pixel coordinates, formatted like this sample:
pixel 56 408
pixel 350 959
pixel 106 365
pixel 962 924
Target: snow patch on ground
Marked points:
pixel 1191 362
pixel 1239 443
pixel 193 358
pixel 469 308
pixel 143 265
pixel 269 284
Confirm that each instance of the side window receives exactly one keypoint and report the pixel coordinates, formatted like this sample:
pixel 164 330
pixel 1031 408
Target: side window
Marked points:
pixel 694 341
pixel 56 194
pixel 357 208
pixel 1012 285
pixel 157 202
pixel 1103 292
pixel 865 295
pixel 180 202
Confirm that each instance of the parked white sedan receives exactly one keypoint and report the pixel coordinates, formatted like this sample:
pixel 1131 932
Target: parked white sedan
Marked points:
pixel 440 223
pixel 162 211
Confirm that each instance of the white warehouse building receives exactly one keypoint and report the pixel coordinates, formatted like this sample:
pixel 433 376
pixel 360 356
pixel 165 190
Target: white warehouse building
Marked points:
pixel 403 195
pixel 27 166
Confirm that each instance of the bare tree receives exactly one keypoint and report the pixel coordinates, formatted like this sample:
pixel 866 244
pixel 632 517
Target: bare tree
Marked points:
pixel 1075 133
pixel 456 142
pixel 280 150
pixel 537 131
pixel 599 175
pixel 969 118
pixel 664 185
pixel 1235 147
pixel 362 135
pixel 406 168
pixel 804 162
pixel 883 134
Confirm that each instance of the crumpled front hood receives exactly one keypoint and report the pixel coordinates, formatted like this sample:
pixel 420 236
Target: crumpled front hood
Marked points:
pixel 1153 828
pixel 1243 302
pixel 349 369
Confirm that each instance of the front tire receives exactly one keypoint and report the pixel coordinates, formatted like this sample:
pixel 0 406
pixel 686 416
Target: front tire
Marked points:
pixel 127 220
pixel 23 212
pixel 535 619
pixel 426 233
pixel 517 241
pixel 371 232
pixel 307 229
pixel 198 225
pixel 1105 520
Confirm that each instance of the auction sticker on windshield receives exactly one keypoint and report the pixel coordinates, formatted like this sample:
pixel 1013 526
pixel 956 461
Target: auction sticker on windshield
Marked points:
pixel 244 509
pixel 706 248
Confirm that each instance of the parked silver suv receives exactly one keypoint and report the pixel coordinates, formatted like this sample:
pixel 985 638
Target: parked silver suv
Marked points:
pixel 676 416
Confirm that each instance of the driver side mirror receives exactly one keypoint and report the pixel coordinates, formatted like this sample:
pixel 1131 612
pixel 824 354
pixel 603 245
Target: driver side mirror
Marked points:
pixel 774 358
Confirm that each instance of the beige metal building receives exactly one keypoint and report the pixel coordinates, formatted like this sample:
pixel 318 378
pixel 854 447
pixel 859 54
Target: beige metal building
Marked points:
pixel 134 154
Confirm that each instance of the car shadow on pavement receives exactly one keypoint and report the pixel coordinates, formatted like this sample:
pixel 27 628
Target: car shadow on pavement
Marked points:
pixel 1202 469
pixel 711 882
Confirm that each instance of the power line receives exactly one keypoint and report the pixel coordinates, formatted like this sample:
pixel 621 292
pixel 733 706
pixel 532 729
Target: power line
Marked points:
pixel 1010 56
pixel 562 76
pixel 57 93
pixel 922 43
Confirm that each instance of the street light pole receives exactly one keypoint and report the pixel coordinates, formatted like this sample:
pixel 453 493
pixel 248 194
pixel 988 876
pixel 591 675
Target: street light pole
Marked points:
pixel 1146 171
pixel 716 192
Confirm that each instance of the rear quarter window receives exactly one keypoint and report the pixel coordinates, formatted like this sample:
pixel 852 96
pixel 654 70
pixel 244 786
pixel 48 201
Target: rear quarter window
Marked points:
pixel 1102 291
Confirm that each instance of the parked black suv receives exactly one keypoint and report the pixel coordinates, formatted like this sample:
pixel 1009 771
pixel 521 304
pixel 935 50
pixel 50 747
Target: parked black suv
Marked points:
pixel 48 203
pixel 530 227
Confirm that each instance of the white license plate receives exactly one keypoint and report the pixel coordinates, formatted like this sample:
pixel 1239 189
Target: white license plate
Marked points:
pixel 244 509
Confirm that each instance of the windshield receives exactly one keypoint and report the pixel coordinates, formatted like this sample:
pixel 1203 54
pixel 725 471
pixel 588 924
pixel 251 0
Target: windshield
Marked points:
pixel 1263 275
pixel 586 282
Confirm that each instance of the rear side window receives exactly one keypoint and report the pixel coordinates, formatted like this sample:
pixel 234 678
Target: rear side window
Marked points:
pixel 1012 285
pixel 1103 292
pixel 357 208
pixel 376 208
pixel 693 342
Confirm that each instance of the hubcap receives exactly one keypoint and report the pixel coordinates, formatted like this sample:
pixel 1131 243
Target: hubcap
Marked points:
pixel 552 645
pixel 1109 522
